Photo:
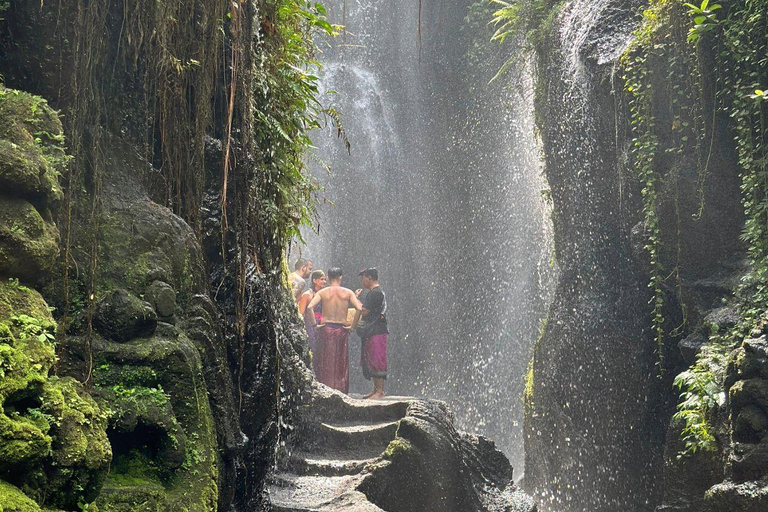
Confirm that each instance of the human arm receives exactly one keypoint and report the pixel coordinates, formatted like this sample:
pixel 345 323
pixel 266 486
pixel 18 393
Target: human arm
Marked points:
pixel 355 302
pixel 297 285
pixel 304 302
pixel 312 303
pixel 355 321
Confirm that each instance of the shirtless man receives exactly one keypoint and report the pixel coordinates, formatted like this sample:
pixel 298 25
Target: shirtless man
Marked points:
pixel 297 279
pixel 331 357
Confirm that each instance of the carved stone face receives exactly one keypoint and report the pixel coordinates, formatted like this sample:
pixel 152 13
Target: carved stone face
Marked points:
pixel 150 324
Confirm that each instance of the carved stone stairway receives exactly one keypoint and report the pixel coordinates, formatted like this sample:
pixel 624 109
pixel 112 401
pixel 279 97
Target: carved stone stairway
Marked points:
pixel 341 437
pixel 395 455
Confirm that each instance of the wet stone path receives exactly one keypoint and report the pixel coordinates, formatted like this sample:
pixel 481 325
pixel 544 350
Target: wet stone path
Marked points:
pixel 338 439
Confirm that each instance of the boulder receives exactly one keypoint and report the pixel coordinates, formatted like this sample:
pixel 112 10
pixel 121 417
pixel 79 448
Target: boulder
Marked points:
pixel 722 319
pixel 432 466
pixel 31 147
pixel 690 347
pixel 28 243
pixel 13 500
pixel 121 316
pixel 53 439
pixel 162 297
pixel 729 496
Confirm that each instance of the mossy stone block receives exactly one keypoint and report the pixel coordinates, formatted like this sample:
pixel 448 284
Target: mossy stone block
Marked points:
pixel 32 152
pixel 80 453
pixel 121 316
pixel 13 500
pixel 28 244
pixel 162 297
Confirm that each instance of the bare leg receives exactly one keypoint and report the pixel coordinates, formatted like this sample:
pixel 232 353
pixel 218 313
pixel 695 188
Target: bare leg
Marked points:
pixel 378 390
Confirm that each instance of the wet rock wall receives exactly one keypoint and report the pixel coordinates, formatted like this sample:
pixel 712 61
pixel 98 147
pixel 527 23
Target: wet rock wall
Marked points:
pixel 177 355
pixel 600 399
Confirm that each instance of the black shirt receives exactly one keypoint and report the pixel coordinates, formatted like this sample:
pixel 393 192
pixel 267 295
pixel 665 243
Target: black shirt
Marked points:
pixel 376 304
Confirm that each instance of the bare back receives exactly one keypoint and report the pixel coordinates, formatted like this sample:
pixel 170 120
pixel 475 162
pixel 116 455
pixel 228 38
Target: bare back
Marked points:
pixel 336 301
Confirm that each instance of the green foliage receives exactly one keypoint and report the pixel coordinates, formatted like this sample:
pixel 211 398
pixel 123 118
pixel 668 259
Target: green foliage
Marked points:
pixel 740 44
pixel 651 41
pixel 704 19
pixel 286 109
pixel 701 391
pixel 527 20
pixel 519 18
pixel 43 329
pixel 743 59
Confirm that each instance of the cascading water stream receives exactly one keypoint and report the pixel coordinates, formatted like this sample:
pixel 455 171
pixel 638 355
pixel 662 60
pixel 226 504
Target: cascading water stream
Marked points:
pixel 443 193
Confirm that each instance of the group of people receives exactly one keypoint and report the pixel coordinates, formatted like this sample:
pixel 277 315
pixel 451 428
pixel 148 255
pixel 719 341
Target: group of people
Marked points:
pixel 331 312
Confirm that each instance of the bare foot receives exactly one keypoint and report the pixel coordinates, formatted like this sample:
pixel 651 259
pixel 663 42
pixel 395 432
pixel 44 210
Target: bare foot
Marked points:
pixel 368 395
pixel 377 395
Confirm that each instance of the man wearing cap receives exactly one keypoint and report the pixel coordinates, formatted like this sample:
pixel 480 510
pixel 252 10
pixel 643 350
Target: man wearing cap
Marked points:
pixel 331 357
pixel 373 332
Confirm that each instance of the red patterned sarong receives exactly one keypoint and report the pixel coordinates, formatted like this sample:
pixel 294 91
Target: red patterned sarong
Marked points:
pixel 331 357
pixel 373 357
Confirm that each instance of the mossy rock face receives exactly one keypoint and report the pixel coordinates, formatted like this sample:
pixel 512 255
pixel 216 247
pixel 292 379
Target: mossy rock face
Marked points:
pixel 53 441
pixel 122 316
pixel 161 426
pixel 24 171
pixel 26 356
pixel 163 298
pixel 81 453
pixel 31 147
pixel 32 157
pixel 28 244
pixel 13 500
pixel 140 241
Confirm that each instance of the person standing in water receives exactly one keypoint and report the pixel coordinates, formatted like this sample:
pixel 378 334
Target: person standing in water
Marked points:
pixel 373 332
pixel 301 270
pixel 331 358
pixel 316 283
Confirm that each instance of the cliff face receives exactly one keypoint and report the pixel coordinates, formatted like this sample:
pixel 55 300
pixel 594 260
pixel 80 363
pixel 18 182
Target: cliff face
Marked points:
pixel 149 354
pixel 593 379
pixel 644 164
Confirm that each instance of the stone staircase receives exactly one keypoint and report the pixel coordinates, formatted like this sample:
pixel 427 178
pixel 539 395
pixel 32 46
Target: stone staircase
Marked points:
pixel 324 464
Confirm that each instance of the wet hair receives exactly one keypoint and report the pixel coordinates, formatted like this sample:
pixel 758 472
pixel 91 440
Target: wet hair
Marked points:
pixel 300 263
pixel 317 274
pixel 334 273
pixel 371 272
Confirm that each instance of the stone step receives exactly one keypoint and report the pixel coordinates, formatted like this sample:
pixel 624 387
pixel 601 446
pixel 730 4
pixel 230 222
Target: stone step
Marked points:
pixel 354 410
pixel 336 465
pixel 366 440
pixel 290 492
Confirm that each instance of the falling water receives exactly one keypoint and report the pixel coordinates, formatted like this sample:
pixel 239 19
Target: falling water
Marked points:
pixel 443 193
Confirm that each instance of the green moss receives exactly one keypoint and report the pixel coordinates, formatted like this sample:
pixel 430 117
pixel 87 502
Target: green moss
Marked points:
pixel 32 152
pixel 528 391
pixel 398 447
pixel 52 434
pixel 13 500
pixel 29 243
pixel 167 394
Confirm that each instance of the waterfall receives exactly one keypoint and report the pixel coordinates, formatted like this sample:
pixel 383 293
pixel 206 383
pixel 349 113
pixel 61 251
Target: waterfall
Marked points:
pixel 443 193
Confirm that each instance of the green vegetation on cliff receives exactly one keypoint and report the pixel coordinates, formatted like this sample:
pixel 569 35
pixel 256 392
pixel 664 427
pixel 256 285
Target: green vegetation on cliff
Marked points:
pixel 714 62
pixel 165 106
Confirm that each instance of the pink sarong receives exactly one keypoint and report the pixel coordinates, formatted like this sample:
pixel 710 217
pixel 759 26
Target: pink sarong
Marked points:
pixel 331 357
pixel 373 357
